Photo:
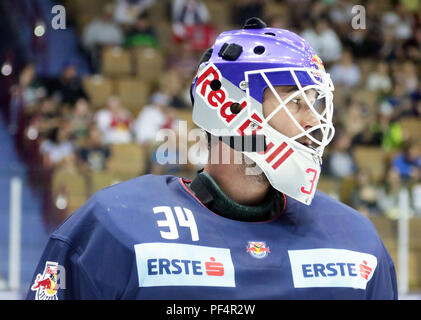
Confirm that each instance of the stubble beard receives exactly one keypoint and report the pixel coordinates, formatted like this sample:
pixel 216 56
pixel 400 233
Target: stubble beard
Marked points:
pixel 250 169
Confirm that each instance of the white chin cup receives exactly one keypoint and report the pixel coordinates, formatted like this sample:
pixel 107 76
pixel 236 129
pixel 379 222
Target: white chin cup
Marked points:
pixel 289 167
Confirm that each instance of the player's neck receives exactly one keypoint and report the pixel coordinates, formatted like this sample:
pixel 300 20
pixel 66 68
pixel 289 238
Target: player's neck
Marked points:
pixel 232 178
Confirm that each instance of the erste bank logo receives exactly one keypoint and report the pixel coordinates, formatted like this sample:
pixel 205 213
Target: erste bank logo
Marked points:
pixel 174 264
pixel 331 268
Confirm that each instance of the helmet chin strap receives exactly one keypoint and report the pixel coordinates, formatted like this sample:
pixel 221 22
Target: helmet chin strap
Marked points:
pixel 210 194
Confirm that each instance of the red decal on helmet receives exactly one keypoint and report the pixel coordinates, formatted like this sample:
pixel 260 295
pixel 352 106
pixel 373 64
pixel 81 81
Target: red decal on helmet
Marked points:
pixel 216 98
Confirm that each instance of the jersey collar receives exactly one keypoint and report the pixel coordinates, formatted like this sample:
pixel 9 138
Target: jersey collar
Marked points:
pixel 207 191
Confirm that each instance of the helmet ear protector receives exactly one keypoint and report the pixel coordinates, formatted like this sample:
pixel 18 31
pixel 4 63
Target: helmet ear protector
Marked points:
pixel 227 94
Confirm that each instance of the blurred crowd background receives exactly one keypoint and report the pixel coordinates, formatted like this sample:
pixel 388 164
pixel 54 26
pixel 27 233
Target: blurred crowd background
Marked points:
pixel 84 116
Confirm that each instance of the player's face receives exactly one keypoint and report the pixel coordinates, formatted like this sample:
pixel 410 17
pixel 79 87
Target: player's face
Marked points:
pixel 297 107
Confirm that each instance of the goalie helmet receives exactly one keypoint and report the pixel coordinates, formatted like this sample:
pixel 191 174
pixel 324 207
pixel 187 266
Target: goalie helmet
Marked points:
pixel 228 94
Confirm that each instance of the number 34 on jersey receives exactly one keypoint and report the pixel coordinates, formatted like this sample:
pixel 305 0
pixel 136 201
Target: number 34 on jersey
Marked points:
pixel 174 217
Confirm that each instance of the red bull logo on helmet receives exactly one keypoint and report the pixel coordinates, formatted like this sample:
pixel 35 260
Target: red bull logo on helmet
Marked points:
pixel 317 66
pixel 46 284
pixel 317 62
pixel 209 87
pixel 257 249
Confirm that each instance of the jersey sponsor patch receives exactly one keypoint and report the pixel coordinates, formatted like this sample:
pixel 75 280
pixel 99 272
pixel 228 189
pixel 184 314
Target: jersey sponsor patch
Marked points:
pixel 45 284
pixel 331 268
pixel 174 264
pixel 258 249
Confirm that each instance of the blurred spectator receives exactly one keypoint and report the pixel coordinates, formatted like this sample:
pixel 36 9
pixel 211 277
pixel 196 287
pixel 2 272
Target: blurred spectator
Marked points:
pixel 411 6
pixel 126 11
pixel 364 43
pixel 355 119
pixel 412 47
pixel 183 60
pixel 364 195
pixel 67 88
pixel 80 119
pixel 339 162
pixel 152 118
pixel 392 102
pixel 392 133
pixel 305 13
pixel 408 162
pixel 175 85
pixel 24 95
pixel 115 122
pixel 245 9
pixel 277 21
pixel 388 50
pixel 100 33
pixel 341 14
pixel 48 117
pixel 399 21
pixel 416 94
pixel 405 109
pixel 388 111
pixel 388 196
pixel 417 109
pixel 29 87
pixel 298 18
pixel 57 149
pixel 345 72
pixel 181 99
pixel 141 33
pixel 406 74
pixel 93 155
pixel 370 135
pixel 188 13
pixel 379 80
pixel 324 41
pixel 191 24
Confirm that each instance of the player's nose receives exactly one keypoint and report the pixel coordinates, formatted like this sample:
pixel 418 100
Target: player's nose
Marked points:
pixel 310 120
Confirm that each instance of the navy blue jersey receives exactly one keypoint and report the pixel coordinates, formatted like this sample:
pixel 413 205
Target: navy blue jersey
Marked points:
pixel 151 238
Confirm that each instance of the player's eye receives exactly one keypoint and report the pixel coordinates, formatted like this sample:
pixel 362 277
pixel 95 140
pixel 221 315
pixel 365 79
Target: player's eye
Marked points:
pixel 296 105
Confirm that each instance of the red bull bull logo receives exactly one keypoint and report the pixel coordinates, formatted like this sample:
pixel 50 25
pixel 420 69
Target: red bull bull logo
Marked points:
pixel 257 249
pixel 316 61
pixel 45 284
